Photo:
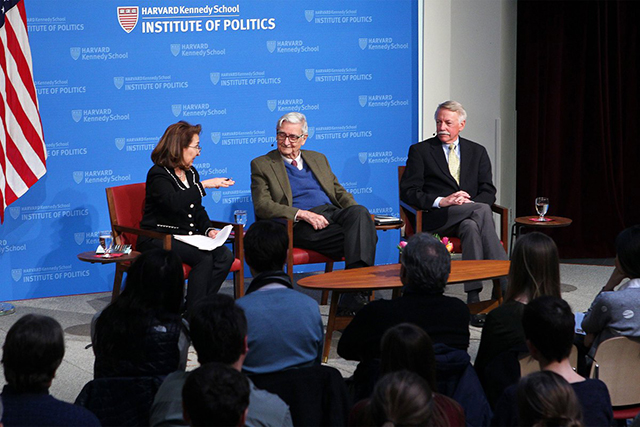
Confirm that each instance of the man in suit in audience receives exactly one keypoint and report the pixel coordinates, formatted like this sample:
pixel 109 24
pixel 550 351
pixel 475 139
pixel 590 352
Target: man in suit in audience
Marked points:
pixel 450 178
pixel 219 334
pixel 424 271
pixel 299 185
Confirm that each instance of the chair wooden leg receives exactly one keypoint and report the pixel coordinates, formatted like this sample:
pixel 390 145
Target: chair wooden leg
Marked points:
pixel 238 284
pixel 117 281
pixel 328 268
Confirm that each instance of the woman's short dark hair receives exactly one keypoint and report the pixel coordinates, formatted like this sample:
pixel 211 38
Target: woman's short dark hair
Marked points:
pixel 535 268
pixel 547 399
pixel 177 137
pixel 215 395
pixel 408 347
pixel 426 264
pixel 154 289
pixel 265 246
pixel 32 352
pixel 628 251
pixel 402 398
pixel 549 324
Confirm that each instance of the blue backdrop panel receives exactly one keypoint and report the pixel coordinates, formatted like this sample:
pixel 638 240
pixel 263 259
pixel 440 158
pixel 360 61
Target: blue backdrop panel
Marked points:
pixel 111 76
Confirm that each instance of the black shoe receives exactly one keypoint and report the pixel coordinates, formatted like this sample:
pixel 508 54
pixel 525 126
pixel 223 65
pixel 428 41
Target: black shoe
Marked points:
pixel 478 320
pixel 345 312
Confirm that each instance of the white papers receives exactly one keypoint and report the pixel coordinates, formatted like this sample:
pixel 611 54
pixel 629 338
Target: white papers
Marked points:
pixel 206 243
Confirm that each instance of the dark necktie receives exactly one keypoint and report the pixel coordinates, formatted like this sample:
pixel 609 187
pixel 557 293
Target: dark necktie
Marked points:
pixel 294 164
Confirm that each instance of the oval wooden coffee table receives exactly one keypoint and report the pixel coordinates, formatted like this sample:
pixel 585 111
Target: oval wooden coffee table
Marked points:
pixel 388 277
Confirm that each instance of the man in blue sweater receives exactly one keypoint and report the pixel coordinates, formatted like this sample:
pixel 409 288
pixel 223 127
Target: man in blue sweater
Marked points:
pixel 299 185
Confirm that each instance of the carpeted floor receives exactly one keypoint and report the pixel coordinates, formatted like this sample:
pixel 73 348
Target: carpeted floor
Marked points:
pixel 580 284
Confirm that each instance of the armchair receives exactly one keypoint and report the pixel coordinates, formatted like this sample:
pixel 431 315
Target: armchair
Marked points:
pixel 412 218
pixel 126 207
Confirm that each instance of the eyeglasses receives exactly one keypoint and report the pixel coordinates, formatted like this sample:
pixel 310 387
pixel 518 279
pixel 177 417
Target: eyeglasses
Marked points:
pixel 281 136
pixel 197 147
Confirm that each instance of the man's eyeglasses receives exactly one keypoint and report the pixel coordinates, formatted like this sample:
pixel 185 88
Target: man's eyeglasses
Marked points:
pixel 281 136
pixel 197 147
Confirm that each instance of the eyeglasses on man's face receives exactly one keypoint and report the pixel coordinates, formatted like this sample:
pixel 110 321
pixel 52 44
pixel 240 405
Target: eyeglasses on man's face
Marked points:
pixel 282 136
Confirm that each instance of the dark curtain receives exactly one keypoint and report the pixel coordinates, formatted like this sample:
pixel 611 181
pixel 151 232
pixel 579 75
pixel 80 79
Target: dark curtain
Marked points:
pixel 578 138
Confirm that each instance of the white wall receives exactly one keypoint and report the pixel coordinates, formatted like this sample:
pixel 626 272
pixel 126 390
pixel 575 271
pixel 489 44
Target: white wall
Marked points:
pixel 469 51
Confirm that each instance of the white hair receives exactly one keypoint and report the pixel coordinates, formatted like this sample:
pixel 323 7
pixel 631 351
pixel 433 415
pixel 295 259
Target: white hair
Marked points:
pixel 454 106
pixel 294 117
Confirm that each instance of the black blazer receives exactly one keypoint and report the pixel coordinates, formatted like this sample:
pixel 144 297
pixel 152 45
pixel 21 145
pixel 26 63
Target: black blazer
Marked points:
pixel 427 177
pixel 171 207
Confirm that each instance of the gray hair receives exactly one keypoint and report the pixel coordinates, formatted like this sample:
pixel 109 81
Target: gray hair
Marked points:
pixel 454 106
pixel 426 263
pixel 294 117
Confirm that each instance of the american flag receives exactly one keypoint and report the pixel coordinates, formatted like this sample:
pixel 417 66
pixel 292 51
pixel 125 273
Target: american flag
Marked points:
pixel 23 155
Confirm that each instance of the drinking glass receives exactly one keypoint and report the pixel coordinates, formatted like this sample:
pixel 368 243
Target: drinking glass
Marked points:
pixel 240 216
pixel 106 241
pixel 542 205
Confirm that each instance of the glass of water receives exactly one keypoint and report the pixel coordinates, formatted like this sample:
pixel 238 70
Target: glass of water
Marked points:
pixel 106 241
pixel 240 216
pixel 542 205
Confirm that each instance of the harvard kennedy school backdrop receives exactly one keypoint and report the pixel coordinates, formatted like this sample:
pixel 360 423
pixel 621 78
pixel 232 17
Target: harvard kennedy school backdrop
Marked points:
pixel 112 75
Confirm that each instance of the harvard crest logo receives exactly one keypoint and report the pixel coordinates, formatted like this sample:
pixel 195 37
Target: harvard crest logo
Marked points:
pixel 128 17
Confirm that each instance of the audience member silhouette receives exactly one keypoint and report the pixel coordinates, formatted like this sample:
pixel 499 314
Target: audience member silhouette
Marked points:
pixel 547 399
pixel 614 313
pixel 549 330
pixel 285 327
pixel 407 347
pixel 534 271
pixel 141 333
pixel 219 334
pixel 32 353
pixel 216 395
pixel 403 398
pixel 425 267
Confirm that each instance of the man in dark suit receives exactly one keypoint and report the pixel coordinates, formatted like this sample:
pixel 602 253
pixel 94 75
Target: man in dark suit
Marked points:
pixel 299 185
pixel 450 178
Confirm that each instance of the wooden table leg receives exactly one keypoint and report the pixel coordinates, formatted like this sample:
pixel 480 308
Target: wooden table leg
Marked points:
pixel 334 323
pixel 331 324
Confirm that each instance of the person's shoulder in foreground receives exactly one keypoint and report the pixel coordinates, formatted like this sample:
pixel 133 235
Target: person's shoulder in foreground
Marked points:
pixel 42 409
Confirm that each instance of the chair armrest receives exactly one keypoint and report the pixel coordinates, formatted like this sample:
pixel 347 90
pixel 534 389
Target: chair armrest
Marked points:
pixel 503 212
pixel 408 207
pixel 166 238
pixel 407 210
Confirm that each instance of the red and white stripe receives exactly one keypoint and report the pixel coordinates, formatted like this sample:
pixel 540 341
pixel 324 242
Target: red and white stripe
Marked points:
pixel 23 154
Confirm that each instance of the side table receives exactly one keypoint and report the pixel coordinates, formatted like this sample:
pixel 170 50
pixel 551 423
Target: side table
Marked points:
pixel 526 221
pixel 90 256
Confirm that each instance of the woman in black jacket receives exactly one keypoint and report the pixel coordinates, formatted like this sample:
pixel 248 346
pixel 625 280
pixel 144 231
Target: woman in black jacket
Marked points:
pixel 173 205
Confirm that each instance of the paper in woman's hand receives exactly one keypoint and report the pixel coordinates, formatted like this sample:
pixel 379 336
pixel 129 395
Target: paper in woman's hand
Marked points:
pixel 206 243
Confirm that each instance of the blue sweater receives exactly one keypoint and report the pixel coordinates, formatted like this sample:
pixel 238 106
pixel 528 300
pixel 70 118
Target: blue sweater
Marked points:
pixel 305 188
pixel 284 330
